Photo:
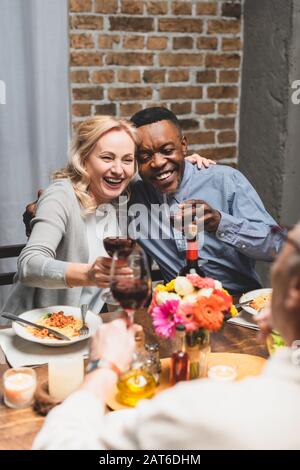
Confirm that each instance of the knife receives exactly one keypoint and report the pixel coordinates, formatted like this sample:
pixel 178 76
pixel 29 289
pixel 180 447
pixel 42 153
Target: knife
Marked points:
pixel 11 316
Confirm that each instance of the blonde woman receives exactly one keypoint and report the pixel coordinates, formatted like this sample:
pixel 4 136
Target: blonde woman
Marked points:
pixel 64 261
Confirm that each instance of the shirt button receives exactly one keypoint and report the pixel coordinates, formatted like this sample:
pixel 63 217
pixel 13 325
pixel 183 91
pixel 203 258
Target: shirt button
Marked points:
pixel 243 246
pixel 222 234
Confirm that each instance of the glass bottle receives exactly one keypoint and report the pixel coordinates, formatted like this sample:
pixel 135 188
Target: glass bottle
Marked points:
pixel 191 255
pixel 179 358
pixel 137 383
pixel 153 361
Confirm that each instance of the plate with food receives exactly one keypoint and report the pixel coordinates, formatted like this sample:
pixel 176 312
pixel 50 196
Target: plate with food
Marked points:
pixel 256 300
pixel 62 318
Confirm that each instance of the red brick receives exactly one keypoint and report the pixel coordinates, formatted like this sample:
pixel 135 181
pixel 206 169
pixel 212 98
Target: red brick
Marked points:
pixel 86 58
pixel 216 153
pixel 229 76
pixel 223 26
pixel 183 42
pixel 189 124
pixel 156 7
pixel 207 42
pixel 78 6
pixel 157 42
pixel 154 76
pixel 231 44
pixel 220 123
pixel 81 41
pixel 103 76
pixel 205 108
pixel 79 76
pixel 87 22
pixel 180 92
pixel 234 10
pixel 131 7
pixel 180 24
pixel 181 8
pixel 181 108
pixel 127 23
pixel 172 59
pixel 133 42
pixel 226 137
pixel 87 93
pixel 223 60
pixel 134 93
pixel 106 41
pixel 106 6
pixel 129 76
pixel 222 92
pixel 206 76
pixel 178 75
pixel 227 108
pixel 206 8
pixel 81 109
pixel 106 109
pixel 200 137
pixel 129 58
pixel 129 109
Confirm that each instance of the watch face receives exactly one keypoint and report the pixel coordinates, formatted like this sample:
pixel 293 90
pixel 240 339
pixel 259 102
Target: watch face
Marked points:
pixel 92 365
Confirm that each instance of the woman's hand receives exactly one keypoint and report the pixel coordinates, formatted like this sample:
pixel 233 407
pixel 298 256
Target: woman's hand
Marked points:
pixel 265 322
pixel 200 161
pixel 99 272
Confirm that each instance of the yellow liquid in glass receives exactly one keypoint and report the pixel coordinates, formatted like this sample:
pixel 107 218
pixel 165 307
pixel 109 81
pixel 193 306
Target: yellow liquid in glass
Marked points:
pixel 134 386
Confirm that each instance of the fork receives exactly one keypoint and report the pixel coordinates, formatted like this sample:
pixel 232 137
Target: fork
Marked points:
pixel 84 330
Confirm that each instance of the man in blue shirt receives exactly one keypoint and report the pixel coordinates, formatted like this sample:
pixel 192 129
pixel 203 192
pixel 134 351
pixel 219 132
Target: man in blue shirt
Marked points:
pixel 238 229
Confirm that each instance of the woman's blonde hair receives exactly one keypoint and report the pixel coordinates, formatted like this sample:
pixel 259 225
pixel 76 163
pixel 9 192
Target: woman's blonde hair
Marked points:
pixel 82 144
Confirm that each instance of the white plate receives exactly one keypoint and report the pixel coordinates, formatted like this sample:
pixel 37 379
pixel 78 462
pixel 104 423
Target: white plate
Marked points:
pixel 92 320
pixel 251 296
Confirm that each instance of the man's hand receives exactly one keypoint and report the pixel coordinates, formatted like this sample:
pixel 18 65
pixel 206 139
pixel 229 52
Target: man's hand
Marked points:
pixel 30 213
pixel 200 161
pixel 265 322
pixel 211 217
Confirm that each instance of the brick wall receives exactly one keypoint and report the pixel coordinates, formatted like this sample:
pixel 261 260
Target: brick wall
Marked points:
pixel 186 55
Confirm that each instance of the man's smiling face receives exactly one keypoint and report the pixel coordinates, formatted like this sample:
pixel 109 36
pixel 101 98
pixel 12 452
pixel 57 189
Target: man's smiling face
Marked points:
pixel 161 155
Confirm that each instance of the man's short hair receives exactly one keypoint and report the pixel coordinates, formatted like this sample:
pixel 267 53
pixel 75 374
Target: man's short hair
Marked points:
pixel 152 115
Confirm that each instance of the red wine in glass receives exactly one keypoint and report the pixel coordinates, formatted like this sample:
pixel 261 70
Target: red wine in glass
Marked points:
pixel 122 246
pixel 131 294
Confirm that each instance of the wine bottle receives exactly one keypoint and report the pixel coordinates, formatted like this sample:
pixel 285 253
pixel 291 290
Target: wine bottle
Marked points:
pixel 191 263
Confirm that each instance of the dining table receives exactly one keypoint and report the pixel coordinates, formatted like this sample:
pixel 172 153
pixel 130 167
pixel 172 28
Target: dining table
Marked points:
pixel 18 427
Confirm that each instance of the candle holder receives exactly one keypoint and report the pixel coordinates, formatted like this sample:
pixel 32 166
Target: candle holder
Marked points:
pixel 19 385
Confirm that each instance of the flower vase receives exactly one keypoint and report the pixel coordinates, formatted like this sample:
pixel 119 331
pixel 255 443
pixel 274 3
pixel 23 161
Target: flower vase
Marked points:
pixel 198 349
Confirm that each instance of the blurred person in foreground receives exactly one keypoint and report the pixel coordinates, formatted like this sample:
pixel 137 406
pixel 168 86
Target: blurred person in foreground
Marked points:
pixel 256 413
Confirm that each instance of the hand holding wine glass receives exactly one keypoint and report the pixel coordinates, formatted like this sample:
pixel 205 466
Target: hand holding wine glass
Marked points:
pixel 133 290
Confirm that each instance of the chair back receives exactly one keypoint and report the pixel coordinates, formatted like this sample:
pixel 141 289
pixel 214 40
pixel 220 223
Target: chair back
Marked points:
pixel 9 251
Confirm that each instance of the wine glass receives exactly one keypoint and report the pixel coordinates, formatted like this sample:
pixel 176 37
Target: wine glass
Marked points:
pixel 133 290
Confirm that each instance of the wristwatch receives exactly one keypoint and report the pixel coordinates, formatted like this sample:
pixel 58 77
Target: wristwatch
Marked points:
pixel 102 364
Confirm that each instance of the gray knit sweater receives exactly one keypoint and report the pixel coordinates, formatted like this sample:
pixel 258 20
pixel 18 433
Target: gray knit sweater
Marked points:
pixel 58 237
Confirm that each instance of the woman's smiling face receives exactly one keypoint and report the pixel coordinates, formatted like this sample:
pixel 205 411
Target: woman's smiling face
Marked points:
pixel 111 165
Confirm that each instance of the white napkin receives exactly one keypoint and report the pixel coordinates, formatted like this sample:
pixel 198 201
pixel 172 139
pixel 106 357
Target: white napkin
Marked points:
pixel 244 319
pixel 20 352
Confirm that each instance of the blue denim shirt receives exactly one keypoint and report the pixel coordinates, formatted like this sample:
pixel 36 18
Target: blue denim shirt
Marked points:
pixel 243 236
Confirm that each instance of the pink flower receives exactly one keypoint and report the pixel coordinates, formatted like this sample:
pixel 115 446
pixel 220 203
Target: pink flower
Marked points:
pixel 186 311
pixel 201 282
pixel 165 318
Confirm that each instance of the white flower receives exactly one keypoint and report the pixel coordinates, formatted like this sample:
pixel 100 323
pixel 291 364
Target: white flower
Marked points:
pixel 218 285
pixel 183 286
pixel 164 296
pixel 191 299
pixel 206 292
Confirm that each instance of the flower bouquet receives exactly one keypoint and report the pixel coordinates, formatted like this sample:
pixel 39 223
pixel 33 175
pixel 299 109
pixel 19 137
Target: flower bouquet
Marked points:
pixel 198 303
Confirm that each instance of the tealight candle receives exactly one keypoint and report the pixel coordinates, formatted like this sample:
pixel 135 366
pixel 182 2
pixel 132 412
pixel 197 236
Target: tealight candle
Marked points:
pixel 64 376
pixel 222 372
pixel 19 387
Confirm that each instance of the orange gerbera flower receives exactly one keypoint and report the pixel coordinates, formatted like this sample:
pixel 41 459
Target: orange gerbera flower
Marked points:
pixel 227 299
pixel 208 312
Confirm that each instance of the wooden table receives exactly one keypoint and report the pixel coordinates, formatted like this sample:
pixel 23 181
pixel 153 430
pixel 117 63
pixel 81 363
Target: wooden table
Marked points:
pixel 19 427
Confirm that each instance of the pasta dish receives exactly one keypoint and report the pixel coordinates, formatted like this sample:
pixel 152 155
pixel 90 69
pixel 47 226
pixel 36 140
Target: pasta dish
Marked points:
pixel 260 302
pixel 68 325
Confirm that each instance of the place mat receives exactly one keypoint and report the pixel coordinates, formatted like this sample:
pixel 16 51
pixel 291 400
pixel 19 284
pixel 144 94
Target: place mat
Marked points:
pixel 246 365
pixel 244 319
pixel 20 353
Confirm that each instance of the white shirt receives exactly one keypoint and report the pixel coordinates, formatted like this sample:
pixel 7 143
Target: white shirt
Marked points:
pixel 103 223
pixel 256 413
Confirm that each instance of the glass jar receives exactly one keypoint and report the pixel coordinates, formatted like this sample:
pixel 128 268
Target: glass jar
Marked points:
pixel 198 349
